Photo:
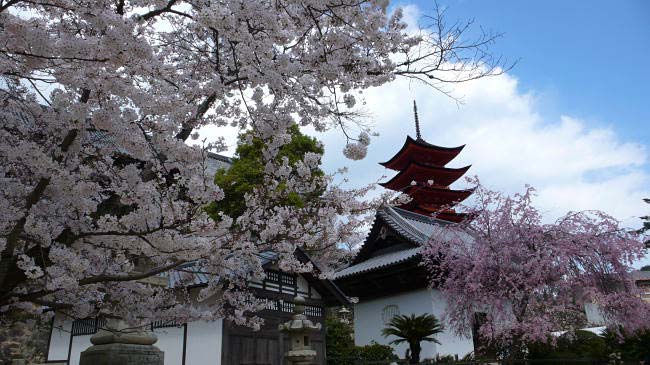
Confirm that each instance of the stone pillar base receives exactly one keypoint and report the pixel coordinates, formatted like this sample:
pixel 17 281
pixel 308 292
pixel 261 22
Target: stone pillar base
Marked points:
pixel 122 354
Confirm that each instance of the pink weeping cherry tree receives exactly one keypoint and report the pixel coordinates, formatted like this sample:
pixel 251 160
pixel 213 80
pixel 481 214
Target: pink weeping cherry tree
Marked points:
pixel 101 190
pixel 518 279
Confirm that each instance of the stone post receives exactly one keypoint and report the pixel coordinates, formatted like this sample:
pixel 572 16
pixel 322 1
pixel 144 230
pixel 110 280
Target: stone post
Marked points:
pixel 299 328
pixel 119 346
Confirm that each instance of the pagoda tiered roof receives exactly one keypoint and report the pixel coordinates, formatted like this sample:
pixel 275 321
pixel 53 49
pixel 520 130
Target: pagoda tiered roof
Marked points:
pixel 423 176
pixel 418 150
pixel 415 171
pixel 449 215
pixel 435 196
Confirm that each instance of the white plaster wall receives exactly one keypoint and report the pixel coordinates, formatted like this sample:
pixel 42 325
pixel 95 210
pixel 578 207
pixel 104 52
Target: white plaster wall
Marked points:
pixel 368 322
pixel 303 285
pixel 170 341
pixel 204 341
pixel 79 344
pixel 60 339
pixel 315 294
pixel 450 343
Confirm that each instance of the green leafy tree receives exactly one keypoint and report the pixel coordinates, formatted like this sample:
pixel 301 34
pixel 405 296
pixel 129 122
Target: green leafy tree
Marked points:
pixel 629 347
pixel 375 353
pixel 413 330
pixel 339 339
pixel 247 171
pixel 342 351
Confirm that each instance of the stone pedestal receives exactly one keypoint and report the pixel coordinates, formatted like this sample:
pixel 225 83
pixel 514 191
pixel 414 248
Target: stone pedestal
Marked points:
pixel 122 354
pixel 119 347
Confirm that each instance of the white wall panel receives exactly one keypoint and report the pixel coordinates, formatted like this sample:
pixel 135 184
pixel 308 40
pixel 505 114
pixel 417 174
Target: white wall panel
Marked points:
pixel 170 341
pixel 204 341
pixel 60 339
pixel 79 344
pixel 303 285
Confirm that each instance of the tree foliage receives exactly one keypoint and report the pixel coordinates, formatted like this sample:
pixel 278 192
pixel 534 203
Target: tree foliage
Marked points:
pixel 579 345
pixel 532 278
pixel 342 351
pixel 246 174
pixel 633 346
pixel 339 339
pixel 413 330
pixel 101 192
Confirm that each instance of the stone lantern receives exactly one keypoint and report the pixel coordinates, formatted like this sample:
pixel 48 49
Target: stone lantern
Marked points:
pixel 299 329
pixel 344 315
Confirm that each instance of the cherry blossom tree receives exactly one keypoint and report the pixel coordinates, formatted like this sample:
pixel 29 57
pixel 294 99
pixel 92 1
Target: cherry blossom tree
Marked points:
pixel 522 279
pixel 101 191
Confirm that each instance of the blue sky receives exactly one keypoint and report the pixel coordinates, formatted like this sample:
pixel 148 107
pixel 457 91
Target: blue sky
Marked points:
pixel 589 59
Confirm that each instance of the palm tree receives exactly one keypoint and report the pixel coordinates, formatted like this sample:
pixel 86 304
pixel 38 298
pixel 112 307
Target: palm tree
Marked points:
pixel 413 330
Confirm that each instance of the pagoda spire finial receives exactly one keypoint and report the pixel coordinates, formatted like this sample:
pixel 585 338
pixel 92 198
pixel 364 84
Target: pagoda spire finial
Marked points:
pixel 417 121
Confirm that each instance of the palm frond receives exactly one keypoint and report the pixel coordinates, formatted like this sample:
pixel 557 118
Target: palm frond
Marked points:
pixel 413 329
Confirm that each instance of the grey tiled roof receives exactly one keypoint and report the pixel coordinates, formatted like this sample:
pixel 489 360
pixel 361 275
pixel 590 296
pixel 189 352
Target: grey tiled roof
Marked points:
pixel 216 162
pixel 378 262
pixel 416 228
pixel 186 275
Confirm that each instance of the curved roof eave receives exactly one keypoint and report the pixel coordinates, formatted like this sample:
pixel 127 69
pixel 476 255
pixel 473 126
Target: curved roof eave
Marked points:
pixel 422 143
pixel 460 171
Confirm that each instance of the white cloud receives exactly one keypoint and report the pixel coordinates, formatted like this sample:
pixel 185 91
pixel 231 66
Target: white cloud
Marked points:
pixel 574 166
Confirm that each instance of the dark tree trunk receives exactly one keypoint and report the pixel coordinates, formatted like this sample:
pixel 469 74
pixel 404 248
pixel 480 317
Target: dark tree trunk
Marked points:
pixel 415 352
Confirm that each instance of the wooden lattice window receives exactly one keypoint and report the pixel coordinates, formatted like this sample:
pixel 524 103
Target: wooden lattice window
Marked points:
pixel 272 305
pixel 88 326
pixel 164 324
pixel 313 311
pixel 389 312
pixel 288 279
pixel 286 307
pixel 273 276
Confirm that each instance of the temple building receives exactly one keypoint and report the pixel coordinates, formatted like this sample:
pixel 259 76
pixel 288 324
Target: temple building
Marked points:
pixel 386 275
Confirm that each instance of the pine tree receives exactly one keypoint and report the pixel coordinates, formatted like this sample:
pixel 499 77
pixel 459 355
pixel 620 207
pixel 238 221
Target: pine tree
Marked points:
pixel 247 172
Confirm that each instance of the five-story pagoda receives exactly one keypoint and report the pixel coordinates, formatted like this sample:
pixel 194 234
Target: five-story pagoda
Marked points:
pixel 387 275
pixel 423 176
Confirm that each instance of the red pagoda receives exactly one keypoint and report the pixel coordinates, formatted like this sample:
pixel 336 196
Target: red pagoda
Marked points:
pixel 422 175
